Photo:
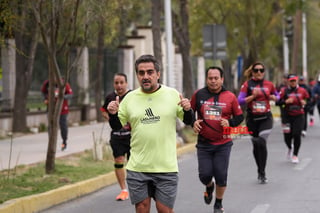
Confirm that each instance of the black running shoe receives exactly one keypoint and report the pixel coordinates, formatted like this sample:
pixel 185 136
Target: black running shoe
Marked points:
pixel 208 194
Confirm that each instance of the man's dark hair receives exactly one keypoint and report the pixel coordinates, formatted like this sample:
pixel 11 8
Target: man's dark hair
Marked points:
pixel 121 74
pixel 146 59
pixel 215 68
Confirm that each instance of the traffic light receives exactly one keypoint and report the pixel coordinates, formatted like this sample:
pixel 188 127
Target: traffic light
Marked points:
pixel 289 26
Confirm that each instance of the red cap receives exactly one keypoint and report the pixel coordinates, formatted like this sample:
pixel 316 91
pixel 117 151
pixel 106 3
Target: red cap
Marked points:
pixel 292 77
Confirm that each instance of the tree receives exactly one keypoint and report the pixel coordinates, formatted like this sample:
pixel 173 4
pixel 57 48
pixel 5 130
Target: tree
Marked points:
pixel 99 66
pixel 181 32
pixel 253 34
pixel 157 7
pixel 104 19
pixel 26 36
pixel 16 22
pixel 109 21
pixel 58 39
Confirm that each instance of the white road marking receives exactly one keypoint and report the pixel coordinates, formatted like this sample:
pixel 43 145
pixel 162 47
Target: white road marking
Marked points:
pixel 263 208
pixel 303 164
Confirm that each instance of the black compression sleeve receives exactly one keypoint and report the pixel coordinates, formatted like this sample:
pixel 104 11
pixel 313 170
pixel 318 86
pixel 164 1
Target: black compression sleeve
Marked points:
pixel 188 117
pixel 236 120
pixel 115 122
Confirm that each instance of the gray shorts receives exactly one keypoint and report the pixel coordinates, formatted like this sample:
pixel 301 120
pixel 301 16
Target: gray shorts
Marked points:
pixel 161 186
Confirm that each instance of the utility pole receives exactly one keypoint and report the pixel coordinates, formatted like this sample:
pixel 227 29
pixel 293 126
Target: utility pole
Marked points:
pixel 285 45
pixel 169 50
pixel 304 46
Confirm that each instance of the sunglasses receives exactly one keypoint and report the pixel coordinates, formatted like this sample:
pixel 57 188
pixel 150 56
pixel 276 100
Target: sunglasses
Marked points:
pixel 257 70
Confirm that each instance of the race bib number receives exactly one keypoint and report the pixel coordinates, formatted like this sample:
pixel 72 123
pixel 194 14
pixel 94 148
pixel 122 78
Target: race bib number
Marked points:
pixel 259 106
pixel 212 112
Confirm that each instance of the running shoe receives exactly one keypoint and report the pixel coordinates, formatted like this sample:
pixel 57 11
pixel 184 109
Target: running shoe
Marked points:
pixel 208 194
pixel 262 179
pixel 124 195
pixel 311 123
pixel 218 210
pixel 295 159
pixel 63 147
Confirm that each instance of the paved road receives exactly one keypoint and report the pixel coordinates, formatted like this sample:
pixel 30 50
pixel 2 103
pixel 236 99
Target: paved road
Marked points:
pixel 292 188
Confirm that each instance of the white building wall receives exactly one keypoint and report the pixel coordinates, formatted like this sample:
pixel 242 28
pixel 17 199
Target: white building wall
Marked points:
pixel 177 72
pixel 8 64
pixel 201 73
pixel 83 76
pixel 146 32
pixel 139 49
pixel 128 66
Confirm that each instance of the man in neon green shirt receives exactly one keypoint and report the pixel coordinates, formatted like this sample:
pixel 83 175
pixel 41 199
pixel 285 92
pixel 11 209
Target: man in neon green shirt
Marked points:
pixel 151 110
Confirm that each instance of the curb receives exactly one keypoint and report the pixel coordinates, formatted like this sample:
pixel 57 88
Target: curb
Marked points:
pixel 38 202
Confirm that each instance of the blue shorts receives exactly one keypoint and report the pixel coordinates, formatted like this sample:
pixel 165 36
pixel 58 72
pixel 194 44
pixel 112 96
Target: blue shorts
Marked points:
pixel 160 186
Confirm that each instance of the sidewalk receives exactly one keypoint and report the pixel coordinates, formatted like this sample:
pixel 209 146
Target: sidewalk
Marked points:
pixel 32 148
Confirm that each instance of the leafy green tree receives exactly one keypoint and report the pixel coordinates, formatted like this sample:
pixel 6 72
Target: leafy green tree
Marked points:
pixel 157 7
pixel 108 24
pixel 103 22
pixel 58 39
pixel 313 30
pixel 253 27
pixel 181 32
pixel 26 35
pixel 18 23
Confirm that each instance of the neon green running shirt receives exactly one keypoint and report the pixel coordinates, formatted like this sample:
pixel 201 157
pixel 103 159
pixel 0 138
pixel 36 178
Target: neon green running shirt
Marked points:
pixel 153 129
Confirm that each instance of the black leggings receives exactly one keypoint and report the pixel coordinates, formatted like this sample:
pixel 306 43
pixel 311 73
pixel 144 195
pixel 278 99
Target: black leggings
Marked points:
pixel 213 161
pixel 260 130
pixel 296 125
pixel 63 122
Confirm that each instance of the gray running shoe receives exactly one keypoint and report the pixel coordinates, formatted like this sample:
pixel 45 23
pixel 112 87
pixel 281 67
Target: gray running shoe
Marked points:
pixel 218 210
pixel 263 179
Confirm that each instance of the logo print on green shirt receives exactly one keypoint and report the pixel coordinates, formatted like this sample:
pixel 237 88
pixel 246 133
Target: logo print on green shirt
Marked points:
pixel 150 117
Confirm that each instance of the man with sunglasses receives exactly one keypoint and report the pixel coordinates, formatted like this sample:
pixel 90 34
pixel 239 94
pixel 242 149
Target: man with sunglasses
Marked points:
pixel 256 94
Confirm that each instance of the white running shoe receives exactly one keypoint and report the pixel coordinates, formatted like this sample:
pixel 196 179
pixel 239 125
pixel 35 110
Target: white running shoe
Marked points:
pixel 295 159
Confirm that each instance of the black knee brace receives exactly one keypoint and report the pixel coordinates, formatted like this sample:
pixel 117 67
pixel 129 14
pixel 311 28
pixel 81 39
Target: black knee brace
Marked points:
pixel 118 165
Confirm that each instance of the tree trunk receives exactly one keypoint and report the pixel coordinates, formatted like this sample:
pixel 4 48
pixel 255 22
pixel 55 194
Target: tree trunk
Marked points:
pixel 99 68
pixel 53 116
pixel 296 42
pixel 181 31
pixel 24 69
pixel 188 83
pixel 48 21
pixel 156 30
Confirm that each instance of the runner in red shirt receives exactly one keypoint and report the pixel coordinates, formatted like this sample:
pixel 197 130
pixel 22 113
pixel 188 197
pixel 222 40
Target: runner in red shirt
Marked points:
pixel 217 109
pixel 63 120
pixel 294 97
pixel 256 93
